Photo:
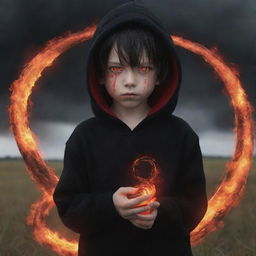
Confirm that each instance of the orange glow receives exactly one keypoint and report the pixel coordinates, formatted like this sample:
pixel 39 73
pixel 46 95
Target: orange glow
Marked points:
pixel 228 193
pixel 145 170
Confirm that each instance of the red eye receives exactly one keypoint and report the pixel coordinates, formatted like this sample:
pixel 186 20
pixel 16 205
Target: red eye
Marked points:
pixel 115 69
pixel 144 69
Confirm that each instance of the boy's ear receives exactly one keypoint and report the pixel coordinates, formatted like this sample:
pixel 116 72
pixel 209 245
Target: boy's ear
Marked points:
pixel 157 82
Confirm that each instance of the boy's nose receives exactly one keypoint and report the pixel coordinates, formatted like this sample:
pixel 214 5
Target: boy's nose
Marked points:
pixel 130 79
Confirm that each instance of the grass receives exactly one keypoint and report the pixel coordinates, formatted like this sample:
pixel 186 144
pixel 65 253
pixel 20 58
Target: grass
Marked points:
pixel 18 192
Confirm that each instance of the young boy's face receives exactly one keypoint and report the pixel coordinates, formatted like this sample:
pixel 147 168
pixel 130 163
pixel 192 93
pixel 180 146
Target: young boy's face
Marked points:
pixel 122 79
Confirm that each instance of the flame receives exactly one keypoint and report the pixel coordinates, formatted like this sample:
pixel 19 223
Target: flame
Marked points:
pixel 228 193
pixel 146 184
pixel 28 144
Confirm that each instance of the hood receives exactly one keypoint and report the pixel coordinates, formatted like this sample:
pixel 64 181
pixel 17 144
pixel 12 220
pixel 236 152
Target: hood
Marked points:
pixel 163 99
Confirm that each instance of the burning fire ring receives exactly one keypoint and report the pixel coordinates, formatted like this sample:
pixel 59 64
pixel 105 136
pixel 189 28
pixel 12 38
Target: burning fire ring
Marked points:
pixel 227 194
pixel 138 164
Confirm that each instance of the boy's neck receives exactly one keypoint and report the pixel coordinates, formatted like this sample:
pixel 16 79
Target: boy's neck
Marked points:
pixel 131 115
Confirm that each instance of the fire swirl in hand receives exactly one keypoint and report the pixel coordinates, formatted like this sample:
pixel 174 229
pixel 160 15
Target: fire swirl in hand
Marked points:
pixel 228 193
pixel 145 170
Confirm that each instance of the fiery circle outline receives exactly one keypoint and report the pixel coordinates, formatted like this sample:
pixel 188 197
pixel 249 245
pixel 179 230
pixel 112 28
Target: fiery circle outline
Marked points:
pixel 227 194
pixel 152 163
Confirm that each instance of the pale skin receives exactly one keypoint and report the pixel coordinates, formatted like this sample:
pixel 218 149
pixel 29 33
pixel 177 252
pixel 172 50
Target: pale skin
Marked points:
pixel 124 207
pixel 120 79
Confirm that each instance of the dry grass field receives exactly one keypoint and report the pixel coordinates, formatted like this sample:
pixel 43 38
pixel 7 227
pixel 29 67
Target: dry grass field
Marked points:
pixel 18 192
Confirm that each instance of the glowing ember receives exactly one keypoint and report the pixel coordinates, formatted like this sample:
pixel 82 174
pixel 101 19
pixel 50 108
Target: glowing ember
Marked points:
pixel 228 193
pixel 144 169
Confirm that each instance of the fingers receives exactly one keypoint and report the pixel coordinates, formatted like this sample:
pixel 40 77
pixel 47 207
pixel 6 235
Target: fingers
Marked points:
pixel 123 192
pixel 135 213
pixel 135 201
pixel 154 204
pixel 127 190
pixel 137 210
pixel 145 221
pixel 129 203
pixel 130 209
pixel 147 217
pixel 131 213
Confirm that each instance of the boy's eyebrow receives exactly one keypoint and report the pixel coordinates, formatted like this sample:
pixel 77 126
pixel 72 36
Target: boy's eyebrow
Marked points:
pixel 118 63
pixel 115 63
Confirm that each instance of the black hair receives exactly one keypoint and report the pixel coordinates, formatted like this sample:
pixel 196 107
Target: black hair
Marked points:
pixel 131 38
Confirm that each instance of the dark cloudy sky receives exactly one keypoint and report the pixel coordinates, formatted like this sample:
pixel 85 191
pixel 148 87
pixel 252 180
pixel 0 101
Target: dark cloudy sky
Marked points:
pixel 60 100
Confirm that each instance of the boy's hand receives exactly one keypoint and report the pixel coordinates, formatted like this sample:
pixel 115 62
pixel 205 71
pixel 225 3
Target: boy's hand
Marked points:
pixel 146 221
pixel 124 207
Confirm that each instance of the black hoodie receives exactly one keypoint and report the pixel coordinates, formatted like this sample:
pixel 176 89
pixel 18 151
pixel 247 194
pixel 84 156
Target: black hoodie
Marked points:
pixel 101 150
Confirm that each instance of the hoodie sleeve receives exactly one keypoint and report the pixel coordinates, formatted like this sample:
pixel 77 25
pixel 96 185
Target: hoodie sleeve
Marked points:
pixel 189 205
pixel 79 209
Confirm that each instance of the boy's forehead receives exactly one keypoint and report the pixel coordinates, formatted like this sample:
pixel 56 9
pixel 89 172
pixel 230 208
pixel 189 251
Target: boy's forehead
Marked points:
pixel 114 59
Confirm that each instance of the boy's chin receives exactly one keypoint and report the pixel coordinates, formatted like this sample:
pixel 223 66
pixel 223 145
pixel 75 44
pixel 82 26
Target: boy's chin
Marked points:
pixel 129 104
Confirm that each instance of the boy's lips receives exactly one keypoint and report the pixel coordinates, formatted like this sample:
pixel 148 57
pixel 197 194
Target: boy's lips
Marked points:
pixel 129 94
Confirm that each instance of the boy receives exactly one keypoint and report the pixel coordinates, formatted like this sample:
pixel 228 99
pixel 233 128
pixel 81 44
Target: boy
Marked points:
pixel 133 79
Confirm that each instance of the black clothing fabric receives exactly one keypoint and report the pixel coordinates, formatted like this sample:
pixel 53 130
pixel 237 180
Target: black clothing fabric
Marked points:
pixel 99 154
